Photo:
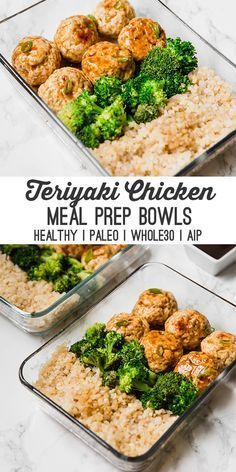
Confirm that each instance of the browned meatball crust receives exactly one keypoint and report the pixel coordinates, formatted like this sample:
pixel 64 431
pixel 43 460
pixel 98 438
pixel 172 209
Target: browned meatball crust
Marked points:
pixel 74 36
pixel 190 326
pixel 35 59
pixel 106 58
pixel 130 326
pixel 199 368
pixel 63 86
pixel 162 350
pixel 95 255
pixel 112 16
pixel 155 306
pixel 140 36
pixel 221 347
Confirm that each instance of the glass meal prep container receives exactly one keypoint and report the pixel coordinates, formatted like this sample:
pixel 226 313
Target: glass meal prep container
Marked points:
pixel 189 294
pixel 80 298
pixel 43 19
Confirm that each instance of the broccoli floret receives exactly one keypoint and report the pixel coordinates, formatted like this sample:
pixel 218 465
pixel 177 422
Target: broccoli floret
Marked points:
pixel 73 275
pixel 130 94
pixel 110 379
pixel 112 120
pixel 187 394
pixel 62 284
pixel 152 93
pixel 90 136
pixel 8 248
pixel 90 349
pixel 112 345
pixel 80 347
pixel 63 272
pixel 51 268
pixel 66 282
pixel 143 89
pixel 109 125
pixel 134 376
pixel 25 256
pixel 74 264
pixel 172 391
pixel 132 351
pixel 143 96
pixel 176 84
pixel 80 112
pixel 146 113
pixel 84 274
pixel 95 334
pixel 159 63
pixel 106 90
pixel 163 64
pixel 185 54
pixel 93 358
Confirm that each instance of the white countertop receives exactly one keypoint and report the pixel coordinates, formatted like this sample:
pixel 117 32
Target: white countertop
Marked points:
pixel 30 441
pixel 29 147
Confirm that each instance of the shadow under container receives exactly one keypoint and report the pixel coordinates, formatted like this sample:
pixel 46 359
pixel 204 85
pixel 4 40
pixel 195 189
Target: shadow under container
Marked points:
pixel 84 295
pixel 189 294
pixel 43 19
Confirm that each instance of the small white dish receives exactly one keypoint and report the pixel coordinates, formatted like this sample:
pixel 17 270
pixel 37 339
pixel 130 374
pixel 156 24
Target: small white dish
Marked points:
pixel 209 263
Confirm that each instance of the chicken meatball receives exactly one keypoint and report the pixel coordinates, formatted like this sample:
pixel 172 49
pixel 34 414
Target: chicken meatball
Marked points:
pixel 35 59
pixel 94 256
pixel 199 368
pixel 63 86
pixel 190 326
pixel 155 306
pixel 163 350
pixel 75 35
pixel 221 347
pixel 140 36
pixel 115 248
pixel 108 59
pixel 130 326
pixel 112 16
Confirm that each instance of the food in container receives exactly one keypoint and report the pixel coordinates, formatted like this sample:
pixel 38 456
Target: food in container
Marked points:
pixel 131 326
pixel 144 145
pixel 162 350
pixel 155 306
pixel 112 15
pixel 140 36
pixel 198 367
pixel 112 375
pixel 107 59
pixel 36 58
pixel 221 346
pixel 109 396
pixel 29 270
pixel 63 86
pixel 190 326
pixel 74 36
pixel 36 303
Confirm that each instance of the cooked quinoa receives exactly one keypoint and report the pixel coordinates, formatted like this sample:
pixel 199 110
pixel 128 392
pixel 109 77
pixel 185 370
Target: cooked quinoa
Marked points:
pixel 190 123
pixel 30 296
pixel 116 417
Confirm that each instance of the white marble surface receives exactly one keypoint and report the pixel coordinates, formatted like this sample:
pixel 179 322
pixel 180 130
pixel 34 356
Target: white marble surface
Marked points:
pixel 32 442
pixel 29 147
